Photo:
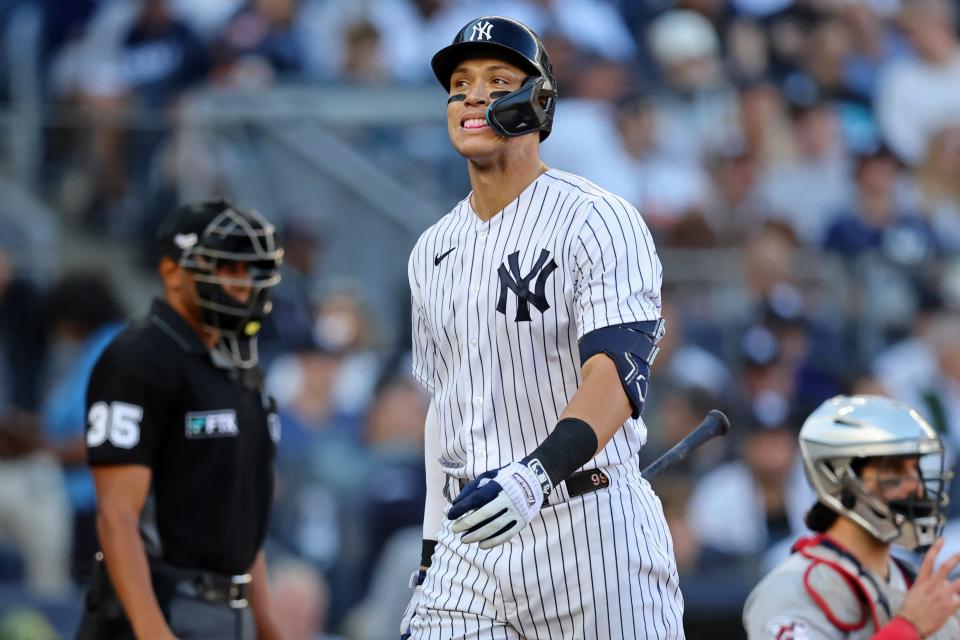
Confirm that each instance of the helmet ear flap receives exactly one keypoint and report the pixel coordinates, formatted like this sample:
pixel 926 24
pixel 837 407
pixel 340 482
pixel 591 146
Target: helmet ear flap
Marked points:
pixel 522 111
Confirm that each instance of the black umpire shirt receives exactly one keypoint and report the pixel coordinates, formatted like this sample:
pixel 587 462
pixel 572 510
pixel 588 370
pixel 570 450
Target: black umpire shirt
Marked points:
pixel 159 398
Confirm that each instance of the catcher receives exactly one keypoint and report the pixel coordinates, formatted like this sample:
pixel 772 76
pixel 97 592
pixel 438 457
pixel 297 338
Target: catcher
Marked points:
pixel 877 468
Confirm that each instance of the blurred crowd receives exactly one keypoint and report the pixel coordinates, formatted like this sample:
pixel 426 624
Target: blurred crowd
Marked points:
pixel 801 156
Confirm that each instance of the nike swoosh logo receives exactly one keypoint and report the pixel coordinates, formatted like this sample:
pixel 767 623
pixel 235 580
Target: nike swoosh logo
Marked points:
pixel 437 259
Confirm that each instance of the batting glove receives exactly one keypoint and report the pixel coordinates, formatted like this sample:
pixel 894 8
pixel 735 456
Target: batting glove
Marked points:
pixel 416 583
pixel 498 504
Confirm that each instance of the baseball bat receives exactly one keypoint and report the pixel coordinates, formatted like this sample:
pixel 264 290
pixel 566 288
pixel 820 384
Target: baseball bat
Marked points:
pixel 715 424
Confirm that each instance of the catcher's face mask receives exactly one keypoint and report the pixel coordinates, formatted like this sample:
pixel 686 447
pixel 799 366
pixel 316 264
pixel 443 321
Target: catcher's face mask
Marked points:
pixel 235 262
pixel 880 464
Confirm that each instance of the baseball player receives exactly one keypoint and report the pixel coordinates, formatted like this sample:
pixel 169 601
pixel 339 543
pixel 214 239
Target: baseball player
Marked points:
pixel 877 468
pixel 536 313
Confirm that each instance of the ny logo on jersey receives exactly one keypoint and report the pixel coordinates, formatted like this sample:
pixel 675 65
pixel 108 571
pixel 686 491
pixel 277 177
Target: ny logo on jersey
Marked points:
pixel 481 30
pixel 520 284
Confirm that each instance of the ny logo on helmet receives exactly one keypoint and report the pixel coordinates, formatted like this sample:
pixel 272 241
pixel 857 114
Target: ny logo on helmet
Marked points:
pixel 481 30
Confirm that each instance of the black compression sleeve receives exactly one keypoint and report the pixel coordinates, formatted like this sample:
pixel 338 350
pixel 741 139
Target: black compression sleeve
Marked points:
pixel 570 445
pixel 426 552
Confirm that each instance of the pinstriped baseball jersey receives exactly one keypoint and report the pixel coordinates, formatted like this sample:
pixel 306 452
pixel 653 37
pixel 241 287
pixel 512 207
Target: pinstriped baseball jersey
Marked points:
pixel 498 307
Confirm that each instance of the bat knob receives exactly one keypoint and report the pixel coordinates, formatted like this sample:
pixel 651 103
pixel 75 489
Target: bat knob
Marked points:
pixel 723 422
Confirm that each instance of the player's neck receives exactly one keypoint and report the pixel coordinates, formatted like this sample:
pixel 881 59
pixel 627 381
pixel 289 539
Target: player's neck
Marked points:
pixel 498 183
pixel 872 554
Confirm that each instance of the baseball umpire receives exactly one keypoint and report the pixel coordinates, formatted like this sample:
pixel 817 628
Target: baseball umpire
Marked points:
pixel 877 468
pixel 536 313
pixel 181 437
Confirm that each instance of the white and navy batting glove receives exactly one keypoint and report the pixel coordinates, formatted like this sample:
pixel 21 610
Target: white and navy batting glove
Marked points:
pixel 416 583
pixel 498 504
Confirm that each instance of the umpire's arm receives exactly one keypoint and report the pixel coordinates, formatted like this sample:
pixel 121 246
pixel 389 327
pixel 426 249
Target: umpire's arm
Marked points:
pixel 121 493
pixel 260 603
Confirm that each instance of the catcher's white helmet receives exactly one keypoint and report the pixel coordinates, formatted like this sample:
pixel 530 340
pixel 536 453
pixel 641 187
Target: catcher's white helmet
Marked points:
pixel 846 429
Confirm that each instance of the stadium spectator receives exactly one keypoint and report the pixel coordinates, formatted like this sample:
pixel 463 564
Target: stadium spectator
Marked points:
pixel 394 491
pixel 343 325
pixel 873 45
pixel 135 57
pixel 938 186
pixel 326 25
pixel 22 341
pixel 917 96
pixel 904 368
pixel 737 532
pixel 34 511
pixel 290 324
pixel 682 363
pixel 734 208
pixel 258 45
pixel 585 139
pixel 805 190
pixel 301 599
pixel 34 508
pixel 764 125
pixel 314 454
pixel 878 221
pixel 699 105
pixel 82 317
pixel 666 189
pixel 938 397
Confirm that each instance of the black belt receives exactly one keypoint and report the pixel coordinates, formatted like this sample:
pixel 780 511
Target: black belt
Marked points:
pixel 212 587
pixel 577 484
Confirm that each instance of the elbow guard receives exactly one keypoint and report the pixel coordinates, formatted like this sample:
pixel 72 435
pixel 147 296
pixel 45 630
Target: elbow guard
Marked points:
pixel 633 348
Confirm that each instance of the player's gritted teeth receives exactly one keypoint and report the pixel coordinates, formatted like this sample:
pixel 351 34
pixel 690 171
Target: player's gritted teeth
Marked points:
pixel 474 123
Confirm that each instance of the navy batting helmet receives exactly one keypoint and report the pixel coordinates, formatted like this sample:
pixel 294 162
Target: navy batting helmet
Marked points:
pixel 530 108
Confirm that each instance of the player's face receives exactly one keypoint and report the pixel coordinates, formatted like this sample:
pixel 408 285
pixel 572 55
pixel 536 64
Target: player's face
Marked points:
pixel 475 83
pixel 894 478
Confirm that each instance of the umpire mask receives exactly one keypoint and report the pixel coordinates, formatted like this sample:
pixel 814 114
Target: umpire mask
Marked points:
pixel 229 248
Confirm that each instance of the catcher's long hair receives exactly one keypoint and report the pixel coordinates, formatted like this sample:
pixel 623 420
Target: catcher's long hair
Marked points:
pixel 820 518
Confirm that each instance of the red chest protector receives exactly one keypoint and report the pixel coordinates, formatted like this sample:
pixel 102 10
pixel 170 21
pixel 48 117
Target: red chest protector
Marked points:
pixel 874 607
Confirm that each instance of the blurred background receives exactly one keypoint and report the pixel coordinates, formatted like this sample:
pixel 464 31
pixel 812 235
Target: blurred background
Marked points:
pixel 797 160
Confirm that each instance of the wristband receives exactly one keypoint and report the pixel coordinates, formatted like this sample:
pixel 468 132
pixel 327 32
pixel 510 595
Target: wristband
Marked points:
pixel 426 552
pixel 570 445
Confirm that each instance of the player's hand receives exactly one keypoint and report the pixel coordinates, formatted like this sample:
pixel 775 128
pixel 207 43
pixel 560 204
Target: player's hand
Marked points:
pixel 416 583
pixel 497 505
pixel 933 598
